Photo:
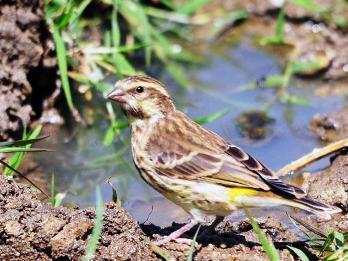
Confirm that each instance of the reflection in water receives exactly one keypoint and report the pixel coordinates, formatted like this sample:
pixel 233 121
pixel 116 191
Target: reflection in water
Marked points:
pixel 82 163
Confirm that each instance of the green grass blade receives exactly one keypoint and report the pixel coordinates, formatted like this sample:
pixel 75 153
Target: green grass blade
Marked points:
pixel 108 137
pixel 299 253
pixel 212 117
pixel 63 20
pixel 292 99
pixel 115 30
pixel 121 125
pixel 192 247
pixel 79 10
pixel 122 64
pixel 58 199
pixel 16 159
pixel 136 16
pixel 191 6
pixel 307 4
pixel 299 67
pixel 169 3
pixel 328 242
pixel 275 80
pixel 177 72
pixel 62 64
pixel 279 31
pixel 267 246
pixel 19 143
pixel 53 190
pixel 93 241
pixel 339 239
pixel 21 150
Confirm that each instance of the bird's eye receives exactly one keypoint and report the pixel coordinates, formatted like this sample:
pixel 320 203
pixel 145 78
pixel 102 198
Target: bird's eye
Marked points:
pixel 140 89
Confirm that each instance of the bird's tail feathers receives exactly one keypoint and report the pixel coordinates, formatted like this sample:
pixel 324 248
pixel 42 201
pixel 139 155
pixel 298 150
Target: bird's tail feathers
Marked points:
pixel 320 209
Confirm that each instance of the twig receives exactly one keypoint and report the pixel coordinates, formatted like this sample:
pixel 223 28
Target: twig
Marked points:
pixel 115 198
pixel 311 157
pixel 308 226
pixel 148 216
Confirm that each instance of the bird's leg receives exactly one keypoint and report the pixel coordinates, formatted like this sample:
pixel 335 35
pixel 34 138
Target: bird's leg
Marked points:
pixel 211 227
pixel 177 233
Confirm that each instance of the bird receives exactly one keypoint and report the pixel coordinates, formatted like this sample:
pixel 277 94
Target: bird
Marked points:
pixel 194 167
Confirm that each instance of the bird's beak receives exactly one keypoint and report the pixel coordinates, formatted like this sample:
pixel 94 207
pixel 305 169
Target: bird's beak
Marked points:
pixel 117 95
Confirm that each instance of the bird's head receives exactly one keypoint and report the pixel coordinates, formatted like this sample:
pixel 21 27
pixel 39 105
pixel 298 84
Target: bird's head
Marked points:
pixel 142 97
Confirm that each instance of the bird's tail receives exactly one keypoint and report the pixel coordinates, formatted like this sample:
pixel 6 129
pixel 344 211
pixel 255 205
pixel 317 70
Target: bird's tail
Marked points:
pixel 320 209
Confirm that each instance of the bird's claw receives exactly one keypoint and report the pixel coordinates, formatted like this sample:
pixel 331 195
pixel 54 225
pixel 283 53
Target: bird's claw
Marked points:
pixel 167 239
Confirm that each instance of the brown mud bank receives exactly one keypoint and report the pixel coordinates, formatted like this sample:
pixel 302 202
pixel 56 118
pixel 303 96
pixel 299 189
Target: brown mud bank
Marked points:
pixel 28 73
pixel 32 230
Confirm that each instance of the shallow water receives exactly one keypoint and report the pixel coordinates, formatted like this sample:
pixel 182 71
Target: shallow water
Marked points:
pixel 77 162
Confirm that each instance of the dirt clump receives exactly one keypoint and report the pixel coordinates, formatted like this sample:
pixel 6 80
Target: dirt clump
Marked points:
pixel 332 126
pixel 32 230
pixel 27 65
pixel 254 124
pixel 331 186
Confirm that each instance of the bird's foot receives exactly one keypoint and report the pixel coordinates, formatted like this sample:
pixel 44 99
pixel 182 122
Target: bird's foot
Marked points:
pixel 180 240
pixel 175 236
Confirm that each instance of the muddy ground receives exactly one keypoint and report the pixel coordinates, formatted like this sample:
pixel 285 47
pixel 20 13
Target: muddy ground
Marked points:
pixel 32 230
pixel 28 71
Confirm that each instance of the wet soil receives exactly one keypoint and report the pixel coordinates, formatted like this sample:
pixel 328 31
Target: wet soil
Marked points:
pixel 331 126
pixel 331 187
pixel 32 230
pixel 28 70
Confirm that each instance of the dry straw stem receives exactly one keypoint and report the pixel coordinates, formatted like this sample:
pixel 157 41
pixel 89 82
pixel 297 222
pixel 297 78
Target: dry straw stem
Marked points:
pixel 313 156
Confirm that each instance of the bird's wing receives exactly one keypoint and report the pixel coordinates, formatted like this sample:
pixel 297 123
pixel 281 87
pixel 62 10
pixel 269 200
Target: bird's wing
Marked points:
pixel 265 173
pixel 183 149
pixel 180 148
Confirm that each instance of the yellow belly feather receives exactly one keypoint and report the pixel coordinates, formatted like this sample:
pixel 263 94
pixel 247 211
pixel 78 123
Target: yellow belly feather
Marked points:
pixel 234 193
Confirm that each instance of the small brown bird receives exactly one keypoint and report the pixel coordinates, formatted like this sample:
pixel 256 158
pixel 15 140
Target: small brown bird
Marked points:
pixel 194 167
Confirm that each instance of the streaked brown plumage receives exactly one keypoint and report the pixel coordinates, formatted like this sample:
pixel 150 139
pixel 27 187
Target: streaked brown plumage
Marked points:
pixel 194 167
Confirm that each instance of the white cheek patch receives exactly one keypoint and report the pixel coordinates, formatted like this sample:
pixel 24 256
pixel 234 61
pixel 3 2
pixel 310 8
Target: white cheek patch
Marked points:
pixel 132 102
